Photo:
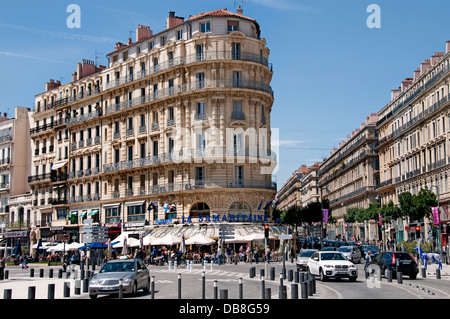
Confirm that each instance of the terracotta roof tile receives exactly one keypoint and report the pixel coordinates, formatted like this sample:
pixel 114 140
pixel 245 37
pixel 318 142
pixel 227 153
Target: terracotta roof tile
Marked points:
pixel 218 13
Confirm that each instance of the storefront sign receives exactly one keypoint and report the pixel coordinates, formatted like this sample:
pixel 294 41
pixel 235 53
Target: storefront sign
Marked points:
pixel 133 226
pixel 10 234
pixel 163 221
pixel 229 218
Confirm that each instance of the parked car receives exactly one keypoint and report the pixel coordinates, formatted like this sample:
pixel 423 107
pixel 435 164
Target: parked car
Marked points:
pixel 329 248
pixel 351 252
pixel 133 274
pixel 397 261
pixel 302 258
pixel 331 265
pixel 372 248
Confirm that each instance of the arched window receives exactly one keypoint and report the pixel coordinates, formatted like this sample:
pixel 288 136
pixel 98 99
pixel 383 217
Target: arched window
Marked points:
pixel 239 209
pixel 198 209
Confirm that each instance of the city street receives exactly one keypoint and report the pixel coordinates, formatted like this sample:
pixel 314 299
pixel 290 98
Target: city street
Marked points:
pixel 228 277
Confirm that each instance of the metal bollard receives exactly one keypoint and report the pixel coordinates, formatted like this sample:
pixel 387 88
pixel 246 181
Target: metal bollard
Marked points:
pixel 304 289
pixel 51 291
pixel 296 277
pixel 310 287
pixel 50 273
pixel 263 288
pixel 250 274
pixel 241 289
pixel 223 293
pixel 31 272
pixel 179 286
pixel 7 294
pixel 424 272
pixel 302 277
pixel 261 273
pixel 280 288
pixel 399 277
pixel 438 273
pixel 267 293
pixel 215 289
pixel 294 291
pixel 41 273
pixel 6 275
pixel 60 273
pixel 272 273
pixel 389 275
pixel 290 275
pixel 152 285
pixel 32 292
pixel 77 287
pixel 120 289
pixel 86 285
pixel 66 289
pixel 203 285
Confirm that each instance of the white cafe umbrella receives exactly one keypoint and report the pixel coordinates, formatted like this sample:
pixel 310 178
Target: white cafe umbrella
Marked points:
pixel 74 246
pixel 148 240
pixel 129 242
pixel 59 247
pixel 169 239
pixel 199 239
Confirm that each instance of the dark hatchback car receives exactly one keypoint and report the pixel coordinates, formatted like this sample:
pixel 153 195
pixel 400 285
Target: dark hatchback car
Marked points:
pixel 397 261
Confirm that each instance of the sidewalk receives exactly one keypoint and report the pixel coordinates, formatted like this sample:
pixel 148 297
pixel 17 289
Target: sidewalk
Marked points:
pixel 20 284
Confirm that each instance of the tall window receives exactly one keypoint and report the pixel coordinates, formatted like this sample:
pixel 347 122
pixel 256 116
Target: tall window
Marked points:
pixel 199 175
pixel 200 83
pixel 236 51
pixel 239 175
pixel 199 49
pixel 233 26
pixel 205 27
pixel 237 79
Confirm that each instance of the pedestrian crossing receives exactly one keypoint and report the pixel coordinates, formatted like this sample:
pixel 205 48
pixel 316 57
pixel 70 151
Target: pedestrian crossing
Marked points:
pixel 216 273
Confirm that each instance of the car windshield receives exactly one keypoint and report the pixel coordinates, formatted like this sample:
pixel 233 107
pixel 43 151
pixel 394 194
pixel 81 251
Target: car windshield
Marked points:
pixel 371 248
pixel 344 249
pixel 307 253
pixel 117 267
pixel 333 256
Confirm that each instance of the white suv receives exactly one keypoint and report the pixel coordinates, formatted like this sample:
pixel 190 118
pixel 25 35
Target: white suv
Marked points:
pixel 331 265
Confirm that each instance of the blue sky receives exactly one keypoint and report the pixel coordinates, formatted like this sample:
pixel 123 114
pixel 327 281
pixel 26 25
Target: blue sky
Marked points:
pixel 330 69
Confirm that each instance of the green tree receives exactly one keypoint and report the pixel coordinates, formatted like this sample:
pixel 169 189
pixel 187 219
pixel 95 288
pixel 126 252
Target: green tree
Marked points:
pixel 423 203
pixel 390 212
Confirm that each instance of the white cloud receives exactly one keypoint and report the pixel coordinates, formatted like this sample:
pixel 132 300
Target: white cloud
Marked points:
pixel 27 56
pixel 61 35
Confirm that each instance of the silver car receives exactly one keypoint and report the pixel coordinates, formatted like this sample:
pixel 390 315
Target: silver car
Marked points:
pixel 132 273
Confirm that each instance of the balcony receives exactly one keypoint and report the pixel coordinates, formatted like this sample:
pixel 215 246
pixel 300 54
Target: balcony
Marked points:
pixel 39 177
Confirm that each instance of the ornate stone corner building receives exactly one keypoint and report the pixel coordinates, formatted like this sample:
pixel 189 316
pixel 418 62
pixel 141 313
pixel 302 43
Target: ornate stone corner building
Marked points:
pixel 177 126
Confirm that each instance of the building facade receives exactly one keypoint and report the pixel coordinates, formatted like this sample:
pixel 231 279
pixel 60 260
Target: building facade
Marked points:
pixel 175 128
pixel 414 144
pixel 348 178
pixel 15 196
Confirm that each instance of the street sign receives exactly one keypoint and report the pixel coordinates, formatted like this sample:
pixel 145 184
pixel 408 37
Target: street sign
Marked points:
pixel 226 231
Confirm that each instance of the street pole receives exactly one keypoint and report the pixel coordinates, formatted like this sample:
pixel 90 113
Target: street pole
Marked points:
pixel 266 265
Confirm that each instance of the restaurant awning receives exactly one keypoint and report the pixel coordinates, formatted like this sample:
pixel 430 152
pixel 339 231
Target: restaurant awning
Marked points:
pixel 83 213
pixel 58 165
pixel 93 212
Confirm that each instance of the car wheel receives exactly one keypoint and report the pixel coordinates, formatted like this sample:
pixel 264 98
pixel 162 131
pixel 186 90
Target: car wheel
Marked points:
pixel 147 288
pixel 134 291
pixel 92 296
pixel 322 275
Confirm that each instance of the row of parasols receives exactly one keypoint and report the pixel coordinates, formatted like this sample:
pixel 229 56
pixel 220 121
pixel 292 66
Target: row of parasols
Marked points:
pixel 124 240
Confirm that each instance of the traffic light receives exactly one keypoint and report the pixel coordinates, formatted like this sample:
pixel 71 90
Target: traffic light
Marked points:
pixel 266 231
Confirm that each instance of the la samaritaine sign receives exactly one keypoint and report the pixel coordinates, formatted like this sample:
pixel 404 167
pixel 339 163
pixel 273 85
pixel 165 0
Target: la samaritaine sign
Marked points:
pixel 219 219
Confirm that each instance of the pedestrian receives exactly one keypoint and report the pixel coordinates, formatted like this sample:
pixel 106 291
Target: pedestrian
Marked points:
pixel 402 248
pixel 368 260
pixel 24 262
pixel 2 266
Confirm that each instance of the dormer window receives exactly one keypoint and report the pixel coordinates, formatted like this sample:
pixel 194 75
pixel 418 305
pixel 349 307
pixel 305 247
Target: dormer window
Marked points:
pixel 205 27
pixel 233 26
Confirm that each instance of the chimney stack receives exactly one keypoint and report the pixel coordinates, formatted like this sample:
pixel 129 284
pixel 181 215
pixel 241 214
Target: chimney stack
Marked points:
pixel 240 11
pixel 143 32
pixel 173 21
pixel 447 47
